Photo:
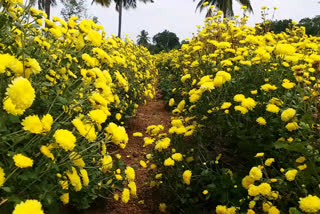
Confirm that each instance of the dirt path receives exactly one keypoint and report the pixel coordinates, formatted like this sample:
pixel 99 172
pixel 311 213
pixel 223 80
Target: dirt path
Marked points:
pixel 153 113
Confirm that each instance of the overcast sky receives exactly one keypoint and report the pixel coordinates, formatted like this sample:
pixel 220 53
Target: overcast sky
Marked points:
pixel 179 16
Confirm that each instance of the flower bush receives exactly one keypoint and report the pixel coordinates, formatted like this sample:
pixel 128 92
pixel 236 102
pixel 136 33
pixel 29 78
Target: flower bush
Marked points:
pixel 66 92
pixel 237 92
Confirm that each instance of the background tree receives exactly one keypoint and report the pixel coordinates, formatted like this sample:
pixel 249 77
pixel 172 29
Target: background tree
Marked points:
pixel 120 4
pixel 74 8
pixel 225 5
pixel 312 25
pixel 45 5
pixel 143 38
pixel 164 41
pixel 279 26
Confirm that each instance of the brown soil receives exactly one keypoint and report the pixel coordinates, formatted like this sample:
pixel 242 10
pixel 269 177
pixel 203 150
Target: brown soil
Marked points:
pixel 153 113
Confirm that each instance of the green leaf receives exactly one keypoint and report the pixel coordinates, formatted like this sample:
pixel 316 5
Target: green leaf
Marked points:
pixel 6 189
pixel 211 187
pixel 294 210
pixel 307 118
pixel 62 100
pixel 295 147
pixel 13 119
pixel 19 138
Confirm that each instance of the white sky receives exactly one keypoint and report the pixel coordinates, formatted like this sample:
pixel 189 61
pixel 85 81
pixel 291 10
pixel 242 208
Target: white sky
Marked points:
pixel 179 16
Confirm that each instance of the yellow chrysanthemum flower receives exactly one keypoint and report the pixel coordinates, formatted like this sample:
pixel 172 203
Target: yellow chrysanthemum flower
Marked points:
pixel 187 176
pixel 28 206
pixel 133 188
pixel 22 161
pixel 20 96
pixel 130 173
pixel 65 139
pixel 288 114
pixel 98 116
pixel 2 177
pixel 162 207
pixel 261 121
pixel 85 177
pixel 177 157
pixel 255 173
pixel 32 124
pixel 310 204
pixel 125 195
pixel 168 162
pixel 45 150
pixel 65 198
pixel 74 179
pixel 291 174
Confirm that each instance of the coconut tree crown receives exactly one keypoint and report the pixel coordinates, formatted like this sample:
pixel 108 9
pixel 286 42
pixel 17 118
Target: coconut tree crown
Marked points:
pixel 226 6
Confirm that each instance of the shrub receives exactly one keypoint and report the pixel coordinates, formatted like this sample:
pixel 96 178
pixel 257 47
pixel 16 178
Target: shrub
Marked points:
pixel 66 92
pixel 235 92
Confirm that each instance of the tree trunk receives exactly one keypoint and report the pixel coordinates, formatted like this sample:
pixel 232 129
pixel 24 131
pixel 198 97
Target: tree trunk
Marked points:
pixel 47 7
pixel 120 18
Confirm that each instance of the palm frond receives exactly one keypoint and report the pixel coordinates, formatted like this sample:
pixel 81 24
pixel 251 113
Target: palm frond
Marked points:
pixel 226 6
pixel 246 3
pixel 104 3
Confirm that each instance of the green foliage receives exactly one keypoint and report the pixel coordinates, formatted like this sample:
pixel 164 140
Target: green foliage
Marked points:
pixel 279 26
pixel 226 6
pixel 312 25
pixel 164 41
pixel 64 83
pixel 203 83
pixel 143 38
pixel 74 8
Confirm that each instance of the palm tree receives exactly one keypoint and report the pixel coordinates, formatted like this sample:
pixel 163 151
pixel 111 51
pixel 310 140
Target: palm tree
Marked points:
pixel 224 5
pixel 143 38
pixel 45 5
pixel 120 4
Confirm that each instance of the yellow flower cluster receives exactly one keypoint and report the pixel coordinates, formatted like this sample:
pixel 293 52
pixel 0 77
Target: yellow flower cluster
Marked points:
pixel 20 96
pixel 28 206
pixel 66 92
pixel 310 204
pixel 118 135
pixel 34 125
pixel 65 139
pixel 2 177
pixel 241 88
pixel 187 176
pixel 22 161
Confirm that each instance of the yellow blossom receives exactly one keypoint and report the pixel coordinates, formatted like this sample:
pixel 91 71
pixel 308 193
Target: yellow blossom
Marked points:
pixel 162 207
pixel 310 204
pixel 269 161
pixel 22 161
pixel 125 195
pixel 261 121
pixel 28 206
pixel 2 177
pixel 65 139
pixel 255 173
pixel 20 96
pixel 130 173
pixel 273 108
pixel 291 174
pixel 288 114
pixel 168 162
pixel 187 176
pixel 65 198
pixel 292 126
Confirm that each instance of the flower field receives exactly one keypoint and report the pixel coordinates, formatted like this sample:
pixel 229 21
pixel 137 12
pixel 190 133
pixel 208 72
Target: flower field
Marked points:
pixel 245 120
pixel 66 94
pixel 244 103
